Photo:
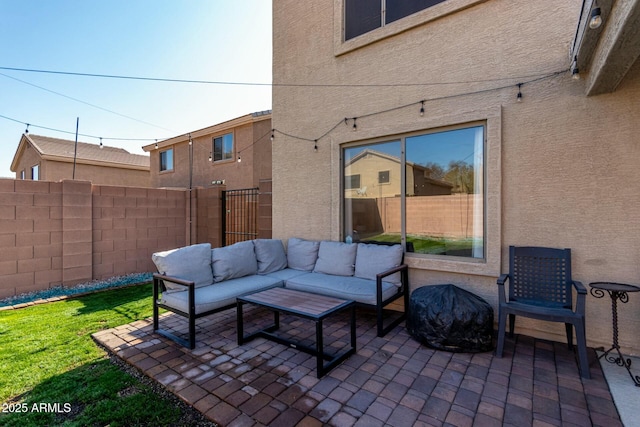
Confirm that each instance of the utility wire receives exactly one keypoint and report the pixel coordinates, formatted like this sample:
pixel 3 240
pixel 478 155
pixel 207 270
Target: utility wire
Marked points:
pixel 321 85
pixel 85 103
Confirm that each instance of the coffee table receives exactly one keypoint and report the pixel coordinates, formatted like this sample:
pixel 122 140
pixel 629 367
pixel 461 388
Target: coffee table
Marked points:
pixel 305 305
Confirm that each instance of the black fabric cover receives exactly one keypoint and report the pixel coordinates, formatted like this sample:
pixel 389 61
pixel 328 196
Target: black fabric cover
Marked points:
pixel 449 318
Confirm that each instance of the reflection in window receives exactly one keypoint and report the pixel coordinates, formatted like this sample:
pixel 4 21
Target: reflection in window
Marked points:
pixel 223 147
pixel 362 16
pixel 441 193
pixel 35 172
pixel 166 160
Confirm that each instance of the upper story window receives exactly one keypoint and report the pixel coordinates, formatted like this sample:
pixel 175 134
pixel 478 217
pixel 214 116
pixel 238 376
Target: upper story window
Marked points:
pixel 223 147
pixel 362 16
pixel 166 160
pixel 35 172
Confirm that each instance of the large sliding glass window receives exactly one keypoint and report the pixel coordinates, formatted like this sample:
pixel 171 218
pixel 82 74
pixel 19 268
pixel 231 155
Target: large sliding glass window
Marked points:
pixel 431 198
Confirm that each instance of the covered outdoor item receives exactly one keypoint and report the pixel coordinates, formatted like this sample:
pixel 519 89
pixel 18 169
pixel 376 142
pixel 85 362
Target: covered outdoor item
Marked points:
pixel 449 318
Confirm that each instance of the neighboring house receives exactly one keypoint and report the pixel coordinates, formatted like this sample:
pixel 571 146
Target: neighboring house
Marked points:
pixel 236 153
pixel 52 159
pixel 484 89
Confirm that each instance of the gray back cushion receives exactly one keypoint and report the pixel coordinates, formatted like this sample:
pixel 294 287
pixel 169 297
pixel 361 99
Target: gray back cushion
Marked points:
pixel 191 263
pixel 336 258
pixel 373 259
pixel 237 260
pixel 302 254
pixel 270 255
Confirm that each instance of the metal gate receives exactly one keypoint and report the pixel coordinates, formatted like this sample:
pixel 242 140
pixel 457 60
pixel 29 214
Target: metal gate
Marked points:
pixel 239 215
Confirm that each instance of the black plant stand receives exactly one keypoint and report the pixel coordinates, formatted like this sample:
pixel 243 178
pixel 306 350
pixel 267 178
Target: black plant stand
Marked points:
pixel 617 292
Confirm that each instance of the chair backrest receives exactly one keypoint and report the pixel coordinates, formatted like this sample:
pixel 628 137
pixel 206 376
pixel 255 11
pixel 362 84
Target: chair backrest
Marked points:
pixel 540 275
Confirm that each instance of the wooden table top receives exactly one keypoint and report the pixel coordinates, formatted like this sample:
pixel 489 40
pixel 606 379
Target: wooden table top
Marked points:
pixel 298 301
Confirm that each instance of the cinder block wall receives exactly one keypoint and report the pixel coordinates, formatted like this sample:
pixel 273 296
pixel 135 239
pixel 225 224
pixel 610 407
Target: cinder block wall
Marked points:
pixel 130 223
pixel 69 232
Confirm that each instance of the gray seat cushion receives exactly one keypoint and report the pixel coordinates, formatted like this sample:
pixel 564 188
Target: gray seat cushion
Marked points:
pixel 219 294
pixel 336 258
pixel 302 254
pixel 191 263
pixel 286 274
pixel 351 288
pixel 270 255
pixel 231 262
pixel 373 259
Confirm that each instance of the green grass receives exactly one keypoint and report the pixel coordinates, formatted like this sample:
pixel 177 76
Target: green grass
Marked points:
pixel 47 355
pixel 431 245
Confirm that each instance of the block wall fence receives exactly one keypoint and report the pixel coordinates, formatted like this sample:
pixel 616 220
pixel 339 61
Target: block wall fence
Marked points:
pixel 71 232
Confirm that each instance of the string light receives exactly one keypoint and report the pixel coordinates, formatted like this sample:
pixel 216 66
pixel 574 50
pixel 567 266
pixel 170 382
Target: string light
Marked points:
pixel 315 145
pixel 239 158
pixel 596 18
pixel 210 156
pixel 519 96
pixel 156 144
pixel 101 143
pixel 422 108
pixel 27 129
pixel 575 73
pixel 354 126
pixel 272 135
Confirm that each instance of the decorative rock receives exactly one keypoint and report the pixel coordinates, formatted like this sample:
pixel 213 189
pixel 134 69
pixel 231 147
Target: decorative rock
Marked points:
pixel 449 318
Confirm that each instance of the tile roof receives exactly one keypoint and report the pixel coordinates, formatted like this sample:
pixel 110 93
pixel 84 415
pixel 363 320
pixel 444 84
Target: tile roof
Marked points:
pixel 55 147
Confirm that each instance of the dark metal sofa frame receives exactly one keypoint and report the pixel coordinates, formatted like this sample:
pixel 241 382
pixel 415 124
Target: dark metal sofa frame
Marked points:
pixel 159 286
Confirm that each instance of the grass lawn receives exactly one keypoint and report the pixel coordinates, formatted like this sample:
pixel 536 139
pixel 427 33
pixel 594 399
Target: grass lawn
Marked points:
pixel 431 245
pixel 47 356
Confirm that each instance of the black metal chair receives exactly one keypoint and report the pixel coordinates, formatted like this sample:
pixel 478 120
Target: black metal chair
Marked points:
pixel 541 288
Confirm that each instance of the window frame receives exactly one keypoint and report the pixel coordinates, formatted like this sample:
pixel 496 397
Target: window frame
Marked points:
pixel 490 265
pixel 231 153
pixel 342 46
pixel 169 168
pixel 35 168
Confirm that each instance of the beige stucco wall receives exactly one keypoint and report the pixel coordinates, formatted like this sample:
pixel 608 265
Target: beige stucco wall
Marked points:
pixel 561 167
pixel 251 141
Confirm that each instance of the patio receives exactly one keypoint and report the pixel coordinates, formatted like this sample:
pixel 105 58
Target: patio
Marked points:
pixel 389 381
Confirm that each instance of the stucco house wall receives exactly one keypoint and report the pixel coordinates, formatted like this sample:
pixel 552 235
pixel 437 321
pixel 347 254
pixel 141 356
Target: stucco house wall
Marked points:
pixel 560 166
pixel 251 144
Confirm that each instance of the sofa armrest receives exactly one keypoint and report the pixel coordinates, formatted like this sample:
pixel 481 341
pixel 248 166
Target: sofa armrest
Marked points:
pixel 404 279
pixel 158 281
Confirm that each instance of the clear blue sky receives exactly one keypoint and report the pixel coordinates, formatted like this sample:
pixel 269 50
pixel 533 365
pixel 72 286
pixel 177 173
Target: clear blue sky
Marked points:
pixel 212 40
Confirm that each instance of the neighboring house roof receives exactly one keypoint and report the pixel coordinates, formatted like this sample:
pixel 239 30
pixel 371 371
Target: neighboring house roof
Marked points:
pixel 63 150
pixel 218 128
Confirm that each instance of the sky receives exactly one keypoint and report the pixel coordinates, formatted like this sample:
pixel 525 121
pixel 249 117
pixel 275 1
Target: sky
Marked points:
pixel 208 40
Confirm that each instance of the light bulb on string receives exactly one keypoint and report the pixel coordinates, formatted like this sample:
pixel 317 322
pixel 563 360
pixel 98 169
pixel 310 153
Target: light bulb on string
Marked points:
pixel 596 18
pixel 101 143
pixel 422 108
pixel 519 96
pixel 315 145
pixel 355 126
pixel 27 129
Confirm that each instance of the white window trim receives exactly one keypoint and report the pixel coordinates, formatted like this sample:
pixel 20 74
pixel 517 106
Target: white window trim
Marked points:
pixel 491 264
pixel 340 46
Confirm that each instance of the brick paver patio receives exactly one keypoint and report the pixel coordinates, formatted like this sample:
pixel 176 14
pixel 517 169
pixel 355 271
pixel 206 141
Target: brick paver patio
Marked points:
pixel 393 381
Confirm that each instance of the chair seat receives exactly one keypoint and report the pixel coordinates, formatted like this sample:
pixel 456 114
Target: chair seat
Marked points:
pixel 541 312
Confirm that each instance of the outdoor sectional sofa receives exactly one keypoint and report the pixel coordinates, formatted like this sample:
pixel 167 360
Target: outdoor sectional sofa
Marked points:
pixel 197 281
